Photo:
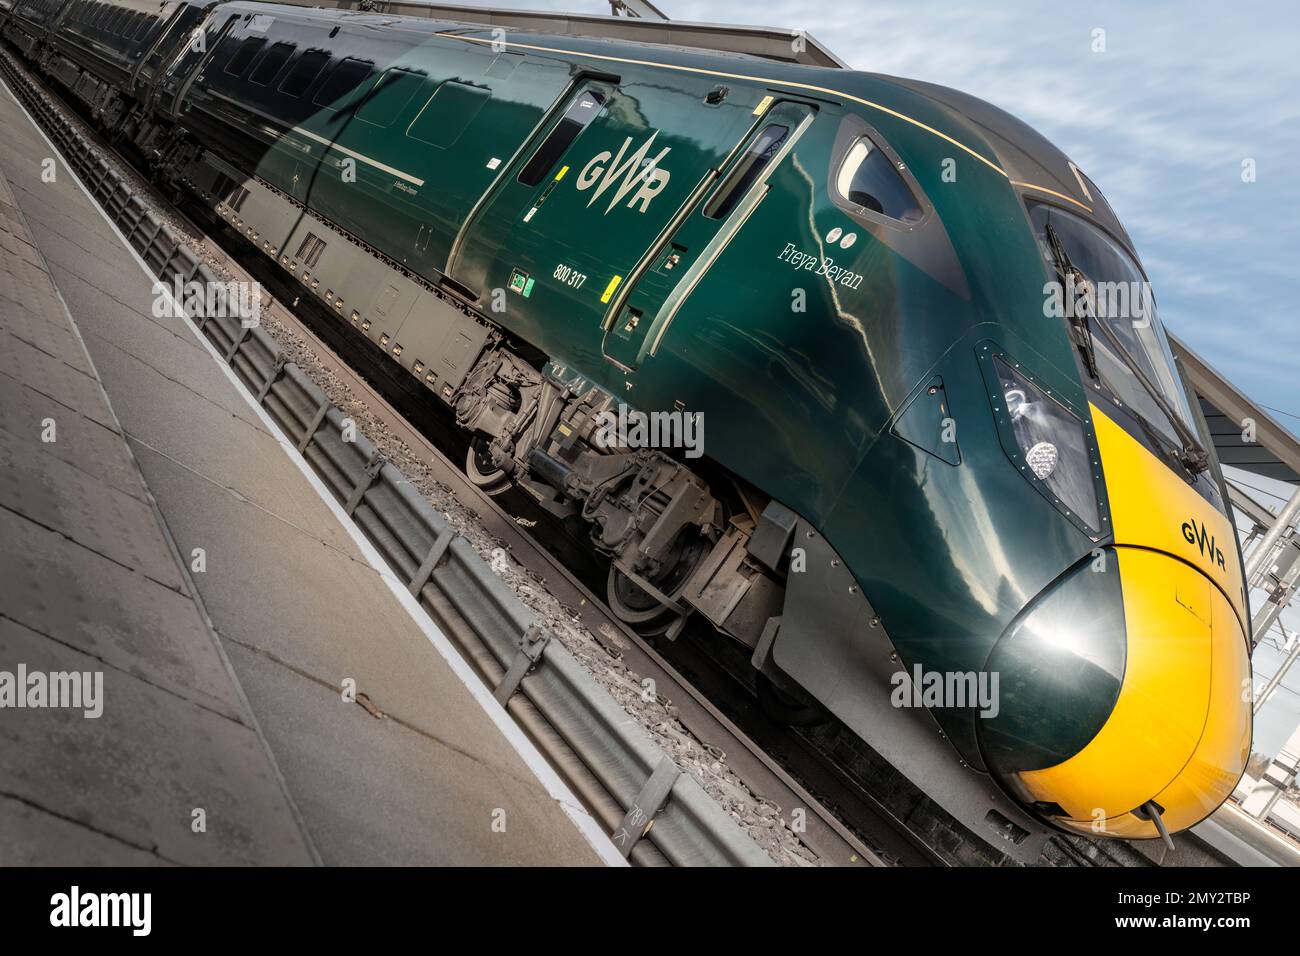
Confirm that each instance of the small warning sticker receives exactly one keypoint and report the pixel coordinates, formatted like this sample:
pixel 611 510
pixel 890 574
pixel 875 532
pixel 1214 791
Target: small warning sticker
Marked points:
pixel 609 289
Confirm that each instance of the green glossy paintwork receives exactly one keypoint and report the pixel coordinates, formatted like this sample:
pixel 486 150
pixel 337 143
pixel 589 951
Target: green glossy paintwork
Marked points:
pixel 1054 696
pixel 798 402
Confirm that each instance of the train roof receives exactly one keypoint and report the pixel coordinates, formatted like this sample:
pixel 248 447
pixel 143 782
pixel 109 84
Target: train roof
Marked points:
pixel 769 43
pixel 1024 154
pixel 1034 165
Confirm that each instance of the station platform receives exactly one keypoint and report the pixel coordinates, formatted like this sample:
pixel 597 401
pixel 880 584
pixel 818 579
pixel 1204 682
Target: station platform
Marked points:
pixel 167 538
pixel 1247 841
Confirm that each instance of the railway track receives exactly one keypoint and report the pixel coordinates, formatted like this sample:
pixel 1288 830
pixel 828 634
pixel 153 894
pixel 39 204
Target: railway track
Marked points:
pixel 849 818
pixel 880 842
pixel 863 834
pixel 844 823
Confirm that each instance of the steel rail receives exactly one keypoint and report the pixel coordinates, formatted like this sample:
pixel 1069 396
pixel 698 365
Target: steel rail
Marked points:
pixel 761 771
pixel 654 813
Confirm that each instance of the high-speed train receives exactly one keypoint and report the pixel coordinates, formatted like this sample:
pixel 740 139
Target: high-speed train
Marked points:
pixel 934 480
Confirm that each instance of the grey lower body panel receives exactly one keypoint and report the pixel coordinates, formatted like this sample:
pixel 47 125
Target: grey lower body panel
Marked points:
pixel 832 644
pixel 433 339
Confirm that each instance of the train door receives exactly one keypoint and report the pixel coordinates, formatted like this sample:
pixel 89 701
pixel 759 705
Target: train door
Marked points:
pixel 192 57
pixel 656 288
pixel 168 29
pixel 516 185
pixel 586 196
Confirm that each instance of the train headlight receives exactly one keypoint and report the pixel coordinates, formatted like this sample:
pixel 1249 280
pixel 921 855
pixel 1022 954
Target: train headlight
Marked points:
pixel 1049 444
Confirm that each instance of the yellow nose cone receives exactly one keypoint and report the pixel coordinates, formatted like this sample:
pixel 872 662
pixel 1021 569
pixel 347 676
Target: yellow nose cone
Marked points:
pixel 1179 733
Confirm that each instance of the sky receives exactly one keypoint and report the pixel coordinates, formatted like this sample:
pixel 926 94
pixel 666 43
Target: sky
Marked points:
pixel 1162 119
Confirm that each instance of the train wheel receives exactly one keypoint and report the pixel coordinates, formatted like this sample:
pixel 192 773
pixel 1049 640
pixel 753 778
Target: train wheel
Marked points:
pixel 480 471
pixel 643 612
pixel 634 607
pixel 786 708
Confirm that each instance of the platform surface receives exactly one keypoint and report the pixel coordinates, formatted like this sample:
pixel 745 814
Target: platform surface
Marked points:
pixel 93 579
pixel 1247 841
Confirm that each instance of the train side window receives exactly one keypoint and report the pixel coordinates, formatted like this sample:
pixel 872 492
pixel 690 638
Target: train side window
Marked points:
pixel 304 72
pixel 575 119
pixel 868 178
pixel 747 170
pixel 248 49
pixel 342 81
pixel 390 96
pixel 271 62
pixel 450 109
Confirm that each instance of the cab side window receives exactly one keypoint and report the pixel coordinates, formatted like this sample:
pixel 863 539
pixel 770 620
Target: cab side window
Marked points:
pixel 868 179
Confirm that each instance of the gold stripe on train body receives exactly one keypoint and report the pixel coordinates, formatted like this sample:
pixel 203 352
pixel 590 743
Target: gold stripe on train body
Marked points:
pixel 792 84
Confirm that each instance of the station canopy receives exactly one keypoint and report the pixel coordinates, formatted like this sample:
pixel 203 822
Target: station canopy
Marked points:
pixel 1275 453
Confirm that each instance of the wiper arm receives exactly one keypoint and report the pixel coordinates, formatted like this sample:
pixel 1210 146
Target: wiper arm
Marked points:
pixel 1079 330
pixel 1192 455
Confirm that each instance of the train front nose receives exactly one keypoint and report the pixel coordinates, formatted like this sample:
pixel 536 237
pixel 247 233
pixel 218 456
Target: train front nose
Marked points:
pixel 1126 682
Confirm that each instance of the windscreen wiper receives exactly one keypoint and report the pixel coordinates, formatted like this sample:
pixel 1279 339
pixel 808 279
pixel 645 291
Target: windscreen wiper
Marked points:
pixel 1079 330
pixel 1192 455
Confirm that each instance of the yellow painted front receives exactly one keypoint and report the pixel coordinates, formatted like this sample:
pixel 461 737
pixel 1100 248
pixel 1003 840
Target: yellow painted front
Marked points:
pixel 1160 714
pixel 1150 504
pixel 1220 756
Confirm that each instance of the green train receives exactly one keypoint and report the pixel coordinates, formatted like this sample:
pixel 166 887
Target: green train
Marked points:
pixel 783 338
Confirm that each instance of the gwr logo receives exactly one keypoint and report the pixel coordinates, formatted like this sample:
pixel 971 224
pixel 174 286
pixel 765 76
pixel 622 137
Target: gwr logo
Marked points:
pixel 1200 536
pixel 634 170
